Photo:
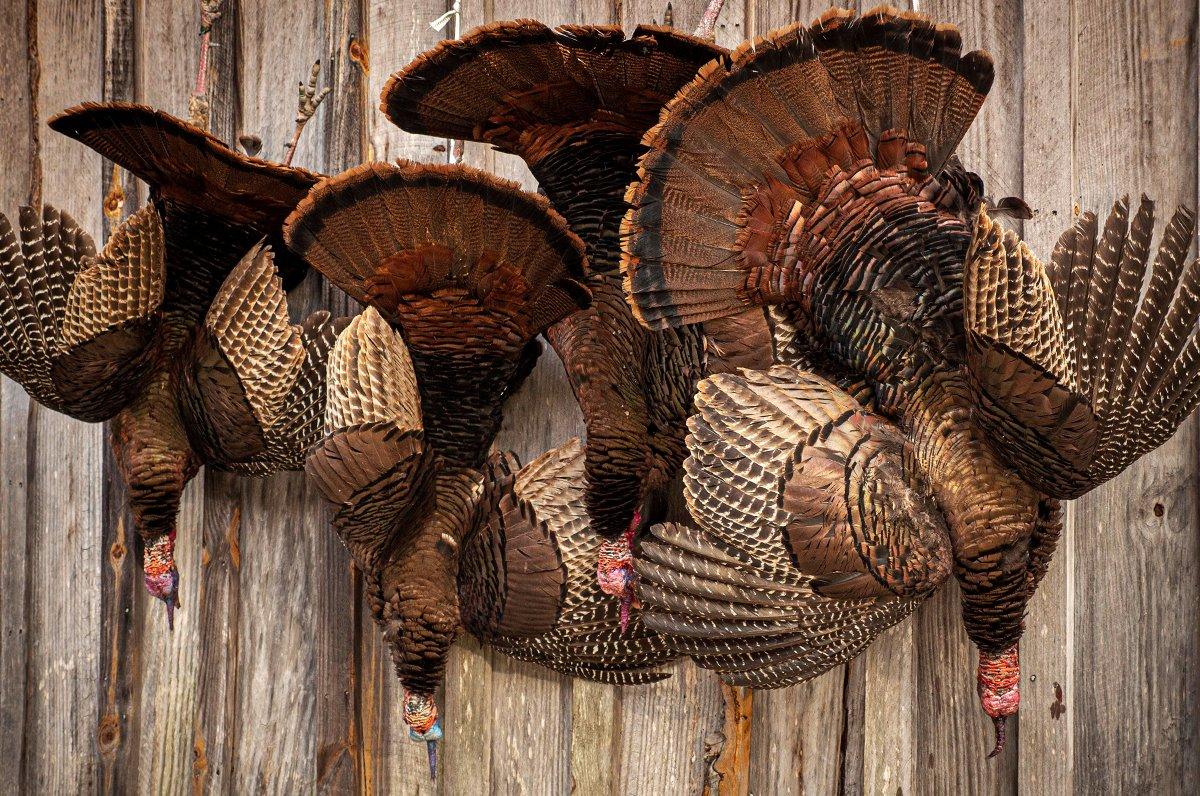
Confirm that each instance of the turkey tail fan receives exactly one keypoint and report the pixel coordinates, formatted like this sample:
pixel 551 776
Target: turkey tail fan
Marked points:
pixel 572 101
pixel 469 267
pixel 815 531
pixel 215 201
pixel 1083 365
pixel 373 463
pixel 742 154
pixel 77 328
pixel 508 83
pixel 184 164
pixel 544 501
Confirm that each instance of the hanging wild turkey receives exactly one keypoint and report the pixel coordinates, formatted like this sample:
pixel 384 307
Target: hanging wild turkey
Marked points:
pixel 191 371
pixel 573 102
pixel 955 388
pixel 470 269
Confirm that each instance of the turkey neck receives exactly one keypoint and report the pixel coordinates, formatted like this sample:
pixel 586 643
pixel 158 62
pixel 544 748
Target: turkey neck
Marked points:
pixel 989 510
pixel 636 412
pixel 153 453
pixel 150 440
pixel 418 588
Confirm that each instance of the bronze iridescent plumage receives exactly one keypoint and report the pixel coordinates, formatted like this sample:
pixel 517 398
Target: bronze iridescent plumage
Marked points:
pixel 814 175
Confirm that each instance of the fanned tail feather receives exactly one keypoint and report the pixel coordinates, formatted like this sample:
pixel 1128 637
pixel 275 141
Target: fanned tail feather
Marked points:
pixel 741 152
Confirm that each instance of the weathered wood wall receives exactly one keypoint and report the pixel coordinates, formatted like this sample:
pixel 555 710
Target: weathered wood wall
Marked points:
pixel 275 679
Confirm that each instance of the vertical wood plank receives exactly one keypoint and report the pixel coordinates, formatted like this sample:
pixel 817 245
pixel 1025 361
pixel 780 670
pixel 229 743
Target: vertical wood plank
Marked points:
pixel 1136 546
pixel 880 689
pixel 798 732
pixel 889 702
pixel 63 488
pixel 216 726
pixel 398 33
pixel 19 125
pixel 117 738
pixel 796 737
pixel 340 764
pixel 533 754
pixel 771 14
pixel 282 563
pixel 1048 694
pixel 392 763
pixel 394 33
pixel 164 709
pixel 664 726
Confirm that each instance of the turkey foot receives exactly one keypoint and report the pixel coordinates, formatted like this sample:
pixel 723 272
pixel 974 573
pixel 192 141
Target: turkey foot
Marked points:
pixel 421 716
pixel 160 574
pixel 614 570
pixel 999 679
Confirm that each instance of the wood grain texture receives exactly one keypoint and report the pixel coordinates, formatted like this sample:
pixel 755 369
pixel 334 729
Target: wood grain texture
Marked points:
pixel 796 737
pixel 281 569
pixel 120 582
pixel 951 732
pixel 341 764
pixel 218 591
pixel 798 732
pixel 1134 128
pixel 276 678
pixel 1048 693
pixel 391 763
pixel 18 126
pixel 530 707
pixel 693 695
pixel 64 519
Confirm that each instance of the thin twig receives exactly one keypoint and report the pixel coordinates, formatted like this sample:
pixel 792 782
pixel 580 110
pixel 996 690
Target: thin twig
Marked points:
pixel 307 105
pixel 210 12
pixel 708 22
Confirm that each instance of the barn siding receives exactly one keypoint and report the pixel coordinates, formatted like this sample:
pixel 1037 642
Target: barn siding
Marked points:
pixel 276 679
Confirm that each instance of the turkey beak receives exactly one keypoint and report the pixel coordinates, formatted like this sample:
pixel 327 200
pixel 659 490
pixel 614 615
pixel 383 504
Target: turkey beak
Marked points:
pixel 431 748
pixel 1001 723
pixel 172 601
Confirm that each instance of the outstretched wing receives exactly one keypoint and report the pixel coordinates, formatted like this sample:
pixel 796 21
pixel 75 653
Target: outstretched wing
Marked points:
pixel 373 463
pixel 815 531
pixel 258 381
pixel 527 579
pixel 1081 367
pixel 77 329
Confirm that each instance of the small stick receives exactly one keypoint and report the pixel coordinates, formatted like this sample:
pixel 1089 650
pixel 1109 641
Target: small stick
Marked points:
pixel 310 98
pixel 708 22
pixel 210 12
